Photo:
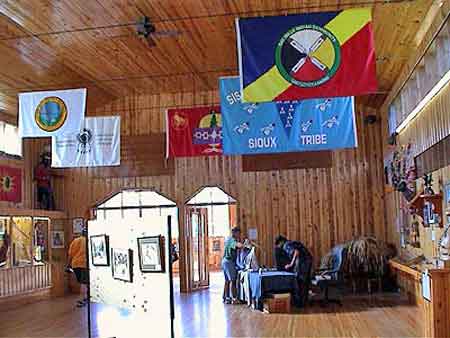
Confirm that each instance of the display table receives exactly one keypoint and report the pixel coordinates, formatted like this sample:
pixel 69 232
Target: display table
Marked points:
pixel 436 311
pixel 258 285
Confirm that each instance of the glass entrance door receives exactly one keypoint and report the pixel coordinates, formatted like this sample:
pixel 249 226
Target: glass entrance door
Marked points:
pixel 198 247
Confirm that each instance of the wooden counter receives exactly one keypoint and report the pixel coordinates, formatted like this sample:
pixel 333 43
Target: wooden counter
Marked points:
pixel 436 313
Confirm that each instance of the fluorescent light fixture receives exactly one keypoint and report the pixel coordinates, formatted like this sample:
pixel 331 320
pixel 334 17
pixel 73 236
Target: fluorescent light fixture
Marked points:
pixel 432 93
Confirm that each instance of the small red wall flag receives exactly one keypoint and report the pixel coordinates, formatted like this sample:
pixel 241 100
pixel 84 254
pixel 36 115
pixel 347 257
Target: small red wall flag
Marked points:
pixel 194 132
pixel 10 184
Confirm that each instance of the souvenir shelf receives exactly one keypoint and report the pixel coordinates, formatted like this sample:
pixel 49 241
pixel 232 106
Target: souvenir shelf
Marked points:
pixel 418 205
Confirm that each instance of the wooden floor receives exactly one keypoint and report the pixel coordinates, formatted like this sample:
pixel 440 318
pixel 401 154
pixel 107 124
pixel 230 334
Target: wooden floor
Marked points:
pixel 203 315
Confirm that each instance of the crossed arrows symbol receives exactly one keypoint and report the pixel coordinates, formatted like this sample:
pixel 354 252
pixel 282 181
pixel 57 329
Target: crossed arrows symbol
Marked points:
pixel 307 53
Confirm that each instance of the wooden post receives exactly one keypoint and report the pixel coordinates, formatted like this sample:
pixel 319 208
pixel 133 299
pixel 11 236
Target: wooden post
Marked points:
pixel 58 280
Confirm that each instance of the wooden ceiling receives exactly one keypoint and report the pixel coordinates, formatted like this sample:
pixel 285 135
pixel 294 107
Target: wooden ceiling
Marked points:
pixel 56 44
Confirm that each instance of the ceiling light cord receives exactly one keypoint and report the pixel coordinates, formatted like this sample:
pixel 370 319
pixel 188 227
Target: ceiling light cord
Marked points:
pixel 199 17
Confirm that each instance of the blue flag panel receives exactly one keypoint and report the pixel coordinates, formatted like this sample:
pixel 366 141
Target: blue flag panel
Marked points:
pixel 274 127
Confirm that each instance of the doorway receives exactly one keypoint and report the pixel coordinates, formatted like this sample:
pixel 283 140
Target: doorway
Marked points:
pixel 130 265
pixel 210 214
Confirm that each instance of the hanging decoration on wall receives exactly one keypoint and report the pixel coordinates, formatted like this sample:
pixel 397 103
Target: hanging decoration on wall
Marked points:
pixel 57 239
pixel 96 144
pixel 308 125
pixel 10 184
pixel 401 171
pixel 301 56
pixel 194 132
pixel 44 114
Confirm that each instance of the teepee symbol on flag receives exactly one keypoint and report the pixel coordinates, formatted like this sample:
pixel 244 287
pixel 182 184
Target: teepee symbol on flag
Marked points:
pixel 286 111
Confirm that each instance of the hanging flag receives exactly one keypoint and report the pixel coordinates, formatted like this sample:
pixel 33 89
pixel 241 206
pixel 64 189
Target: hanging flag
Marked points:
pixel 10 184
pixel 44 114
pixel 314 55
pixel 194 132
pixel 96 144
pixel 273 127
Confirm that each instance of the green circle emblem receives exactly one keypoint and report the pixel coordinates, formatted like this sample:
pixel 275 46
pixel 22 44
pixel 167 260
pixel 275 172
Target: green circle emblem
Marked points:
pixel 50 114
pixel 308 56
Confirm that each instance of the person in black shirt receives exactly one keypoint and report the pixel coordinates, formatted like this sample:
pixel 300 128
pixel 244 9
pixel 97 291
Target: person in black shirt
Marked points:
pixel 293 256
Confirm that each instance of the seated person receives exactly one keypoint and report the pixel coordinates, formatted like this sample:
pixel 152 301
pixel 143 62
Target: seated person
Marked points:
pixel 300 262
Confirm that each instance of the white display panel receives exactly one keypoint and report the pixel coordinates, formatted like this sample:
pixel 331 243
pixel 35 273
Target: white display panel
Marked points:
pixel 142 307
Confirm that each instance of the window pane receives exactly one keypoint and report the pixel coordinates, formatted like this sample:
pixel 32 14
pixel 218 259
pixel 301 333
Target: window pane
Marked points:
pixel 21 240
pixel 10 142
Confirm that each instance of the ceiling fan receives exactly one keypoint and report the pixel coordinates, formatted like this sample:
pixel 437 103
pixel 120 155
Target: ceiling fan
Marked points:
pixel 147 30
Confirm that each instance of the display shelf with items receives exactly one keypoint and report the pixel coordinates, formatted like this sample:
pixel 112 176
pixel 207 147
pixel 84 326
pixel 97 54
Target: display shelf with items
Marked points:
pixel 429 207
pixel 25 255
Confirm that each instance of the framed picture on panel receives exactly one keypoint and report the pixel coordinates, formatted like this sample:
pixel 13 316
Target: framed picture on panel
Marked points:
pixel 151 254
pixel 57 239
pixel 122 264
pixel 100 250
pixel 77 226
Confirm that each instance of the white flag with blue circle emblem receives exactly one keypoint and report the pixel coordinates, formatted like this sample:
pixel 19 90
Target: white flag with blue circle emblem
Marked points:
pixel 96 144
pixel 50 113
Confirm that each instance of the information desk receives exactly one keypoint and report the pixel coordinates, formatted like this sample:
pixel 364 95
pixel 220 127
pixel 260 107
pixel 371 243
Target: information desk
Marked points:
pixel 436 311
pixel 257 285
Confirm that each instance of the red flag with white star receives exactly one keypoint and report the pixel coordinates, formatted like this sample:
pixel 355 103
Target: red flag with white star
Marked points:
pixel 10 184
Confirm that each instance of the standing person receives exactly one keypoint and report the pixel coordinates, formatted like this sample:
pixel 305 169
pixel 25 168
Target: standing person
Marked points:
pixel 231 246
pixel 77 260
pixel 300 263
pixel 43 178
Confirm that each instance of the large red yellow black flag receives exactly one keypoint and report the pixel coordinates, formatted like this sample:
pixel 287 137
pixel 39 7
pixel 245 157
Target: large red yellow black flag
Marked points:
pixel 306 56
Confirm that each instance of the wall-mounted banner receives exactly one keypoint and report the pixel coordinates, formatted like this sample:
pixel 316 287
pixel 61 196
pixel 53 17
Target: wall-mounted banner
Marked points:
pixel 273 127
pixel 10 184
pixel 44 114
pixel 194 132
pixel 302 56
pixel 97 144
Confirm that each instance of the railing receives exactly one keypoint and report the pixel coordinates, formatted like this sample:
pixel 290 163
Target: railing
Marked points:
pixel 20 280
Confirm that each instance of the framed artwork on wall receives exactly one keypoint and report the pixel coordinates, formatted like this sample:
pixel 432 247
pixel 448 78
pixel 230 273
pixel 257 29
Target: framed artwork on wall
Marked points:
pixel 447 195
pixel 77 226
pixel 100 250
pixel 151 254
pixel 122 264
pixel 2 228
pixel 57 239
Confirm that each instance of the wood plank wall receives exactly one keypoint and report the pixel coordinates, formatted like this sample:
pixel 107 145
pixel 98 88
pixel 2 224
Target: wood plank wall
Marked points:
pixel 32 149
pixel 425 67
pixel 428 128
pixel 321 207
pixel 433 65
